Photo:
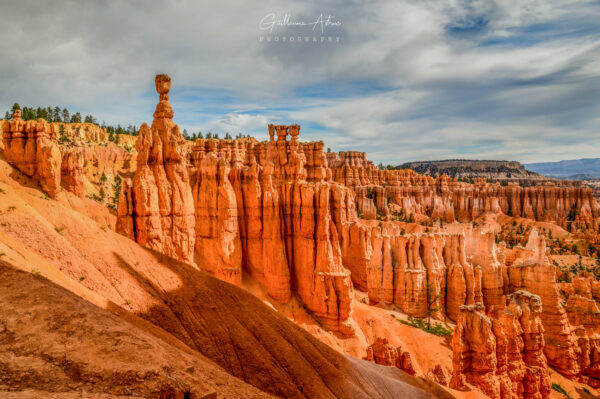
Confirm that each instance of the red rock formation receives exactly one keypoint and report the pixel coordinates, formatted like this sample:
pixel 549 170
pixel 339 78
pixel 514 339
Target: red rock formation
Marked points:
pixel 283 214
pixel 414 271
pixel 218 245
pixel 502 354
pixel 31 147
pixel 448 199
pixel 382 352
pixel 72 171
pixel 532 271
pixel 161 212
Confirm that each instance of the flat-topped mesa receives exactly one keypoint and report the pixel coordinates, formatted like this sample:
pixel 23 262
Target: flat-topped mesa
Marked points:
pixel 157 209
pixel 31 147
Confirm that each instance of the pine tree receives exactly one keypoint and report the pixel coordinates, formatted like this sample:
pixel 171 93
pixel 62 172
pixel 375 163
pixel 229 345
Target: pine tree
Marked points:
pixel 200 136
pixel 66 117
pixel 7 115
pixel 185 134
pixel 56 114
pixel 103 177
pixel 49 114
pixel 16 106
pixel 117 190
pixel 76 118
pixel 62 136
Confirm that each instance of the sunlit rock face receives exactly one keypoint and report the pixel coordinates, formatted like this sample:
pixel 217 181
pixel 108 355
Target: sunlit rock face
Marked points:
pixel 157 208
pixel 502 353
pixel 448 199
pixel 31 147
pixel 287 214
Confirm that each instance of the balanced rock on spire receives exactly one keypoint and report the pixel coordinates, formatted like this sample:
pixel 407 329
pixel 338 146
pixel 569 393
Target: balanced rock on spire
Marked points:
pixel 157 209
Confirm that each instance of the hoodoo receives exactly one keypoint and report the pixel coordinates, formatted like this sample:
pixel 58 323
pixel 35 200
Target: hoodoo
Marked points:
pixel 157 209
pixel 31 147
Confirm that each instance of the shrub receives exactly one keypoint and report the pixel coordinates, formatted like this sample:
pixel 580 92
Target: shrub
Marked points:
pixel 436 328
pixel 558 388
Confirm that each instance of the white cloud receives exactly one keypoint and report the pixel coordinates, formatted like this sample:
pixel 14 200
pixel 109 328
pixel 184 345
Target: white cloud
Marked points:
pixel 400 85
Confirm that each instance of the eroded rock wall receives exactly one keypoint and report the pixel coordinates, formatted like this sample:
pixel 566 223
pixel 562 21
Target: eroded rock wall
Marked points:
pixel 31 147
pixel 157 208
pixel 501 353
pixel 448 199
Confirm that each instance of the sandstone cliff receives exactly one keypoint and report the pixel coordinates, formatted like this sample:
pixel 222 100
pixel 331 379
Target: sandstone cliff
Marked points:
pixel 397 193
pixel 31 147
pixel 157 208
pixel 502 354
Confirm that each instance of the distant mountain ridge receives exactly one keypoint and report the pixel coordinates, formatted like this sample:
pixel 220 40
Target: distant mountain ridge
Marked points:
pixel 573 169
pixel 493 170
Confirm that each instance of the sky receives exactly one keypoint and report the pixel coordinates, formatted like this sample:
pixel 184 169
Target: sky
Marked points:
pixel 400 80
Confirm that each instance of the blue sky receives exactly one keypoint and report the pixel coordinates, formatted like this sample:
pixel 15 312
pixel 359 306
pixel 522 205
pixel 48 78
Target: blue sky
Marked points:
pixel 408 80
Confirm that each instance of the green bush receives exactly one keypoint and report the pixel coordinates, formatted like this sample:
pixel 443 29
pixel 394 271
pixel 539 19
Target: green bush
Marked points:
pixel 435 328
pixel 558 388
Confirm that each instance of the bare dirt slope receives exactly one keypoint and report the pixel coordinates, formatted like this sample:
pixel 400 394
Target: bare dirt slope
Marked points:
pixel 52 341
pixel 224 323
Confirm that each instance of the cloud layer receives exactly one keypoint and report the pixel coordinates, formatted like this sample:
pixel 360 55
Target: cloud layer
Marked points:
pixel 407 80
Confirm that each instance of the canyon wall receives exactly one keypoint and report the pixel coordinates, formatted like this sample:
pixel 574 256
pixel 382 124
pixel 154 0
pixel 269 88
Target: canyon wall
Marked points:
pixel 502 353
pixel 287 214
pixel 394 192
pixel 31 147
pixel 268 208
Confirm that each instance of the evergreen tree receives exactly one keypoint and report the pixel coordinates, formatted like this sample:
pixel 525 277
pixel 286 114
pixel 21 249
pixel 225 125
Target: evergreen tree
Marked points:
pixel 227 136
pixel 103 178
pixel 16 106
pixel 117 191
pixel 185 134
pixel 217 136
pixel 66 117
pixel 7 115
pixel 194 137
pixel 102 193
pixel 209 135
pixel 49 114
pixel 200 136
pixel 56 114
pixel 62 135
pixel 76 118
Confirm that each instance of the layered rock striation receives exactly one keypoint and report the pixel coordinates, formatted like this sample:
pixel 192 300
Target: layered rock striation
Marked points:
pixel 287 214
pixel 270 208
pixel 31 147
pixel 502 353
pixel 390 191
pixel 157 208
